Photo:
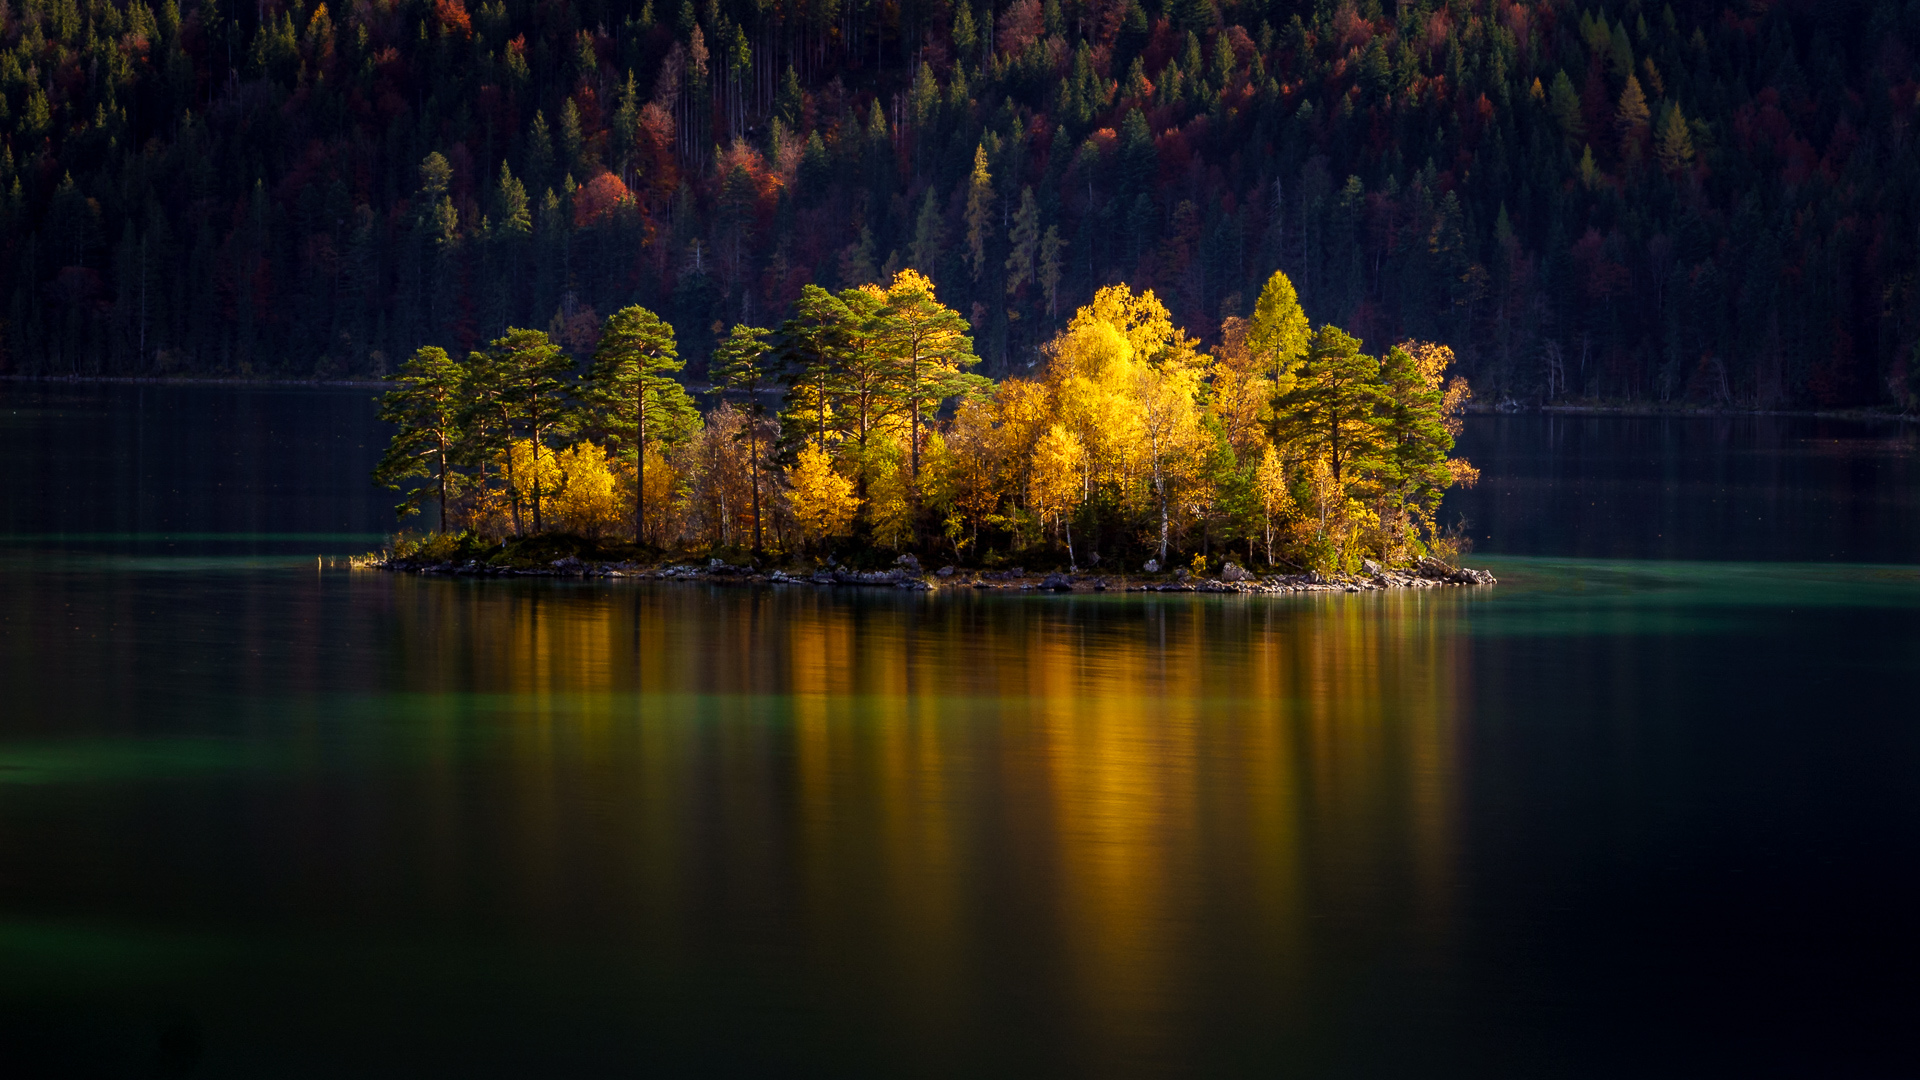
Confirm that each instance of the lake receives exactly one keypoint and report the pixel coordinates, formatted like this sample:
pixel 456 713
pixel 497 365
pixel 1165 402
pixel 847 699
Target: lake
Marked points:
pixel 1651 806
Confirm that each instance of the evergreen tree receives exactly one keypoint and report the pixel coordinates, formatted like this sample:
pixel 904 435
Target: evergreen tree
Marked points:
pixel 741 365
pixel 807 346
pixel 520 380
pixel 927 347
pixel 1330 411
pixel 979 212
pixel 634 396
pixel 425 405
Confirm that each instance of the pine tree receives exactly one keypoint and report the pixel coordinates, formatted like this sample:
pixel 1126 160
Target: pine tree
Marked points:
pixel 634 398
pixel 979 212
pixel 1024 239
pixel 808 345
pixel 1330 410
pixel 1563 102
pixel 928 350
pixel 929 235
pixel 1049 271
pixel 1408 463
pixel 425 405
pixel 741 366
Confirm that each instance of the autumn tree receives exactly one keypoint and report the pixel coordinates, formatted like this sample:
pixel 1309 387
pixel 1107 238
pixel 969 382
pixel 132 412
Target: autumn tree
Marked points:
pixel 518 388
pixel 1058 480
pixel 1278 333
pixel 1675 146
pixel 1273 487
pixel 821 500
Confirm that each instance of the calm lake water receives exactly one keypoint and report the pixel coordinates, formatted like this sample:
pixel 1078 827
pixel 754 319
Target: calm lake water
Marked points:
pixel 1650 807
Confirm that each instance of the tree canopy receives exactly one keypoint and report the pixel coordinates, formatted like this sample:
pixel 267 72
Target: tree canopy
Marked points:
pixel 1694 203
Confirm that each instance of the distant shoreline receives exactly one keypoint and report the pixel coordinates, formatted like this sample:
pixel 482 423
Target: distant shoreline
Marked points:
pixel 1684 412
pixel 199 380
pixel 1475 408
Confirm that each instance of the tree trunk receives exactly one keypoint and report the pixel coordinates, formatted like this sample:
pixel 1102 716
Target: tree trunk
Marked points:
pixel 753 471
pixel 640 475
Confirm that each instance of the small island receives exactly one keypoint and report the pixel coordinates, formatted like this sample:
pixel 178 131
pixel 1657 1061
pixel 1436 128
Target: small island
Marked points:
pixel 1281 459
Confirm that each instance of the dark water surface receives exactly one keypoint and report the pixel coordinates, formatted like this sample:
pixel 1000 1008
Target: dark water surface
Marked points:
pixel 1649 807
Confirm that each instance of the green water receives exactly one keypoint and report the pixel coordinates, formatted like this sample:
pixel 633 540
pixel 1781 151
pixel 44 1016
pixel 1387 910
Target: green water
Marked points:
pixel 260 815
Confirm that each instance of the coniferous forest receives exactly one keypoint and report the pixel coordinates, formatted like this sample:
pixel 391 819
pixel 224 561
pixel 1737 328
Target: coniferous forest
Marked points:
pixel 1699 202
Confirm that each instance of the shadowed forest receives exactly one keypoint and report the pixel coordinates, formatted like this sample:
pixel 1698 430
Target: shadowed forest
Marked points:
pixel 1697 201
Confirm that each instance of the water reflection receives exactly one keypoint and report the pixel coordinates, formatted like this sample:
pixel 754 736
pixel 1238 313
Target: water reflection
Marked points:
pixel 438 821
pixel 958 804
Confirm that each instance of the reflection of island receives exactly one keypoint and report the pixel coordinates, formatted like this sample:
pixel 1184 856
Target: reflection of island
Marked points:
pixel 1284 448
pixel 1161 778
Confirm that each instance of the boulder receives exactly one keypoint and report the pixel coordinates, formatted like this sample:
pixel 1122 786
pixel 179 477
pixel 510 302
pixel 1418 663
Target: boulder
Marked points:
pixel 945 571
pixel 1234 572
pixel 1151 566
pixel 908 563
pixel 1058 583
pixel 1371 567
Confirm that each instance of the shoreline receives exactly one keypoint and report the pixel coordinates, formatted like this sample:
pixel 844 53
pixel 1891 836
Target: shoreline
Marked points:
pixel 1475 408
pixel 909 576
pixel 201 380
pixel 1685 412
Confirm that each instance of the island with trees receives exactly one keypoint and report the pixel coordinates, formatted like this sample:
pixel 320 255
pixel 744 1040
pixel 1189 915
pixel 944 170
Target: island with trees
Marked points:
pixel 1285 458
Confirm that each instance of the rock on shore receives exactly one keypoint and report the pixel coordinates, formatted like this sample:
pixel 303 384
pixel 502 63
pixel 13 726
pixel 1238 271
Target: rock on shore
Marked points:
pixel 1427 574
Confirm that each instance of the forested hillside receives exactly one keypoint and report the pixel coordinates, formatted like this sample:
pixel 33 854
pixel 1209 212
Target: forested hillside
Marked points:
pixel 1701 201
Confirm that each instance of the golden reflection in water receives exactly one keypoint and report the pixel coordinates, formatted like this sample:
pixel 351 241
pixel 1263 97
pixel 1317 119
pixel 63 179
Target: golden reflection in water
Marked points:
pixel 1165 773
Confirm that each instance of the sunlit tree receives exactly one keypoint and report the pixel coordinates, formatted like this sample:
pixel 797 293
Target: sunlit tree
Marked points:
pixel 822 501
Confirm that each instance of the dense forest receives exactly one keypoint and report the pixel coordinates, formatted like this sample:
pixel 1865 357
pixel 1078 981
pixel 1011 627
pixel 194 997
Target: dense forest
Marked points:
pixel 1695 201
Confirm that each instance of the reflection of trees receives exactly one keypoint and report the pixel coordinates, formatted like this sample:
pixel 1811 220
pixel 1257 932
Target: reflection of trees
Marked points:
pixel 1125 784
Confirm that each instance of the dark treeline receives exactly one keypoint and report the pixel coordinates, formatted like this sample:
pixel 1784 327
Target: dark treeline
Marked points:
pixel 1698 201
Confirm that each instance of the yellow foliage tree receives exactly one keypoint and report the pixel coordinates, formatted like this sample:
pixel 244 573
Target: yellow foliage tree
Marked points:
pixel 533 467
pixel 1058 482
pixel 665 487
pixel 592 499
pixel 1270 483
pixel 967 470
pixel 821 500
pixel 890 494
pixel 1241 391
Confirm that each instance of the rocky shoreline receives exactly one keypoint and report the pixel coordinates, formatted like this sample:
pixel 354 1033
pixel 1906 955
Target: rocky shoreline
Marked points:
pixel 908 574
